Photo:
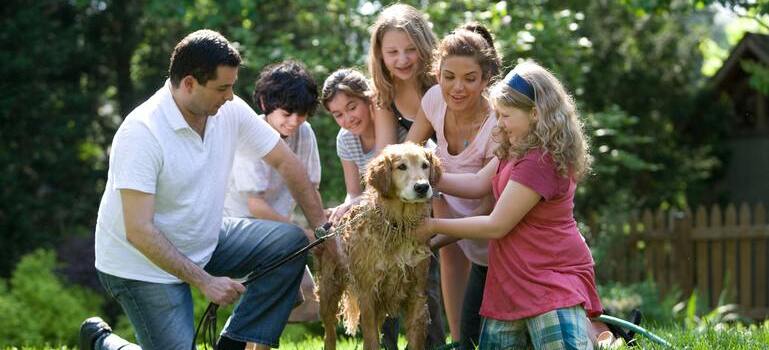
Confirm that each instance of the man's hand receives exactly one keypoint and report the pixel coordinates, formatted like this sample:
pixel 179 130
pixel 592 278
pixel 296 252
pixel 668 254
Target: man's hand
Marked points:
pixel 222 290
pixel 138 211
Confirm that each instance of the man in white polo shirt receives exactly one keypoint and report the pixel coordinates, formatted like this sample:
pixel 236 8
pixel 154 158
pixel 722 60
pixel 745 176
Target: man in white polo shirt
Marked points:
pixel 160 228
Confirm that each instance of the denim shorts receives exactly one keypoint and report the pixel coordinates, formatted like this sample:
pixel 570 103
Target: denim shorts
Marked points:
pixel 565 328
pixel 161 314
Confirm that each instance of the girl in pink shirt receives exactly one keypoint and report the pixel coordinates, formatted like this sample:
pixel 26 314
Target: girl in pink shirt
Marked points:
pixel 540 284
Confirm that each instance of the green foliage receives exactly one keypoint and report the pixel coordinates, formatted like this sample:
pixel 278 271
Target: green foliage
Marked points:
pixel 37 308
pixel 74 69
pixel 52 140
pixel 615 146
pixel 688 324
pixel 621 299
pixel 697 318
pixel 759 76
pixel 103 58
pixel 638 86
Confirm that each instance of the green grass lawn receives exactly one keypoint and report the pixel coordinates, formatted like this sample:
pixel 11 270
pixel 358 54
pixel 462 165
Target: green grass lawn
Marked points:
pixel 733 338
pixel 737 338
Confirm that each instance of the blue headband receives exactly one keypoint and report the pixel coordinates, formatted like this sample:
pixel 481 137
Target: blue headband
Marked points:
pixel 517 83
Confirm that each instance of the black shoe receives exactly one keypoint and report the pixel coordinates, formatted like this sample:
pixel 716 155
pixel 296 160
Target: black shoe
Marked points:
pixel 635 318
pixel 91 330
pixel 627 335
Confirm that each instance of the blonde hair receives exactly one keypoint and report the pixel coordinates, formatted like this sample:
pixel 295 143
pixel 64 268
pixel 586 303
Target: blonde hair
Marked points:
pixel 556 127
pixel 412 22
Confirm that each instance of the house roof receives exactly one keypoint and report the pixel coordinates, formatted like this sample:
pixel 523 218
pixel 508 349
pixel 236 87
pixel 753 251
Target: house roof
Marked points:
pixel 751 46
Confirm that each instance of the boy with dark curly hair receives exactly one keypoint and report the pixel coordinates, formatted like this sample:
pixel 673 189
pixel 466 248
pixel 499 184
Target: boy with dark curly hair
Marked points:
pixel 287 96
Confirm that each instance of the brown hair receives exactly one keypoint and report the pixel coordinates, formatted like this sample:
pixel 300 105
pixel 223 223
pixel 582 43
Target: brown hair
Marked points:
pixel 349 81
pixel 470 40
pixel 199 54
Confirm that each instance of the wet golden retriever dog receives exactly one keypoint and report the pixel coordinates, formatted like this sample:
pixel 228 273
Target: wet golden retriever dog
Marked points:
pixel 383 269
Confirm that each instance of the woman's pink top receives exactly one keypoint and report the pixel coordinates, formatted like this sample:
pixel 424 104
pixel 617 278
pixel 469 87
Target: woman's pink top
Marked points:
pixel 543 264
pixel 470 160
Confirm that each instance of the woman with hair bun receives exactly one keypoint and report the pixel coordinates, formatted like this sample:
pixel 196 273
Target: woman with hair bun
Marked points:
pixel 458 113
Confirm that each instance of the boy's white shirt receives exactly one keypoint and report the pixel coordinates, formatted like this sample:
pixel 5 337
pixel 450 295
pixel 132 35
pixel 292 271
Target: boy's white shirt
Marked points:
pixel 256 176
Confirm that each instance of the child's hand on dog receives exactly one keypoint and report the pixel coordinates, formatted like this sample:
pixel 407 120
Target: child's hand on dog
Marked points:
pixel 335 214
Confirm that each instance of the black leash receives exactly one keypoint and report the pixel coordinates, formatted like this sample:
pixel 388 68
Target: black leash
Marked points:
pixel 208 321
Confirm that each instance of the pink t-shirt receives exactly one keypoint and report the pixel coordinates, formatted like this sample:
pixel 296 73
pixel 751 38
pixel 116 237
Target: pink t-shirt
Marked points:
pixel 543 264
pixel 470 160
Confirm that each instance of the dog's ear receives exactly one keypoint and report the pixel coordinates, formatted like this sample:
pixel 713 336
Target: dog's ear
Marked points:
pixel 379 174
pixel 436 170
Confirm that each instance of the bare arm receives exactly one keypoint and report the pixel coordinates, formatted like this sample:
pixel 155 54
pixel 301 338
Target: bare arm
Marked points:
pixel 439 241
pixel 469 185
pixel 385 128
pixel 441 211
pixel 295 176
pixel 516 200
pixel 260 209
pixel 138 212
pixel 485 207
pixel 421 130
pixel 354 191
pixel 351 178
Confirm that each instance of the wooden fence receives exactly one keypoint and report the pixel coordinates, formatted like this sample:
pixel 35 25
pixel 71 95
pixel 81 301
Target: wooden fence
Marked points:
pixel 711 251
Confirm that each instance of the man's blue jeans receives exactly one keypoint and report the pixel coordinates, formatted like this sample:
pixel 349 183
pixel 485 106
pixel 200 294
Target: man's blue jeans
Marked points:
pixel 162 313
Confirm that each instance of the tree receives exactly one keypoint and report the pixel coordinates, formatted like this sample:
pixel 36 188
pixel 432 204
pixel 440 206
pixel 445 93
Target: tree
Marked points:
pixel 52 136
pixel 75 69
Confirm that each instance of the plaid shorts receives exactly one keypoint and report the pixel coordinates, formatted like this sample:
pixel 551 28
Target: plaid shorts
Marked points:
pixel 565 328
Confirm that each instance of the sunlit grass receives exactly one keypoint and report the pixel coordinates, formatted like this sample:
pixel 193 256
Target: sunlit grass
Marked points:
pixel 731 338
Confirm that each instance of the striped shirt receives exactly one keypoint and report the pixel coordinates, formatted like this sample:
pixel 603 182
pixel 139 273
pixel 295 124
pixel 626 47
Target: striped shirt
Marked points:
pixel 349 147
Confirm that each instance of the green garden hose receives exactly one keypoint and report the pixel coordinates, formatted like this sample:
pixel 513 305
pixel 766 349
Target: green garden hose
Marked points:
pixel 633 327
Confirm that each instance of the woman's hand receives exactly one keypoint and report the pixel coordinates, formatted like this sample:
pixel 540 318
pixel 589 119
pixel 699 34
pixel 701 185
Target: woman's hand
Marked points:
pixel 424 231
pixel 336 213
pixel 439 241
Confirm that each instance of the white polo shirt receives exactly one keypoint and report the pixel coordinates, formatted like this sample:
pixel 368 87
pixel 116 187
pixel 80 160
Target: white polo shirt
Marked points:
pixel 155 151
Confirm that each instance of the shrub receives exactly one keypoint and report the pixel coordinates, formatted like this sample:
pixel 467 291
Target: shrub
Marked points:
pixel 621 299
pixel 37 308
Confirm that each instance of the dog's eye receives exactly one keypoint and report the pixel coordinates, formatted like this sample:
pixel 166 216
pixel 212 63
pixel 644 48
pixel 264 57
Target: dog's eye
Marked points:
pixel 402 167
pixel 425 165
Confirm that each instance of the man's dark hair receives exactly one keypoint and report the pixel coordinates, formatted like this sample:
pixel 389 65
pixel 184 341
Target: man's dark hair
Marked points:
pixel 199 54
pixel 286 85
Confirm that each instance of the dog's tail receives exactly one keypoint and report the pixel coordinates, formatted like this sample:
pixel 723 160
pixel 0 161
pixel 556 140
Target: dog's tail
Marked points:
pixel 350 313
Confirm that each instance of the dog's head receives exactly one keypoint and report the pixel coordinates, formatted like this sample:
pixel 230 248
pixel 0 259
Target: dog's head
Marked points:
pixel 405 171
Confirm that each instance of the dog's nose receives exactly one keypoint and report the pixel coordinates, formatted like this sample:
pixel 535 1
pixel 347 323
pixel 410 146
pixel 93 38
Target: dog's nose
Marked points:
pixel 421 188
